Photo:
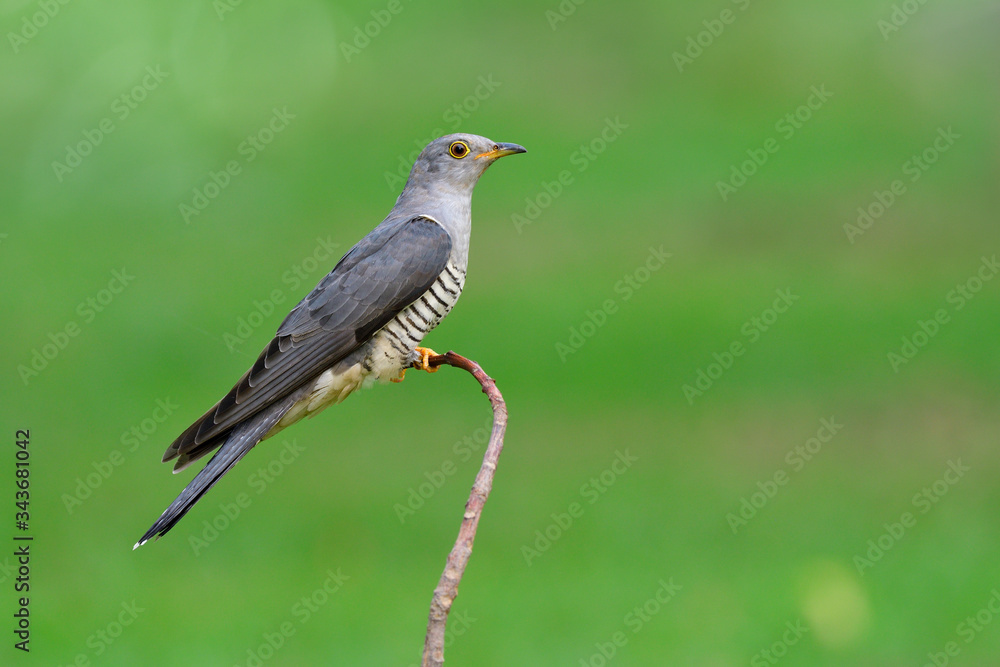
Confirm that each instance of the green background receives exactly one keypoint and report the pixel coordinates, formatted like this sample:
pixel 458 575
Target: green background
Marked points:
pixel 668 517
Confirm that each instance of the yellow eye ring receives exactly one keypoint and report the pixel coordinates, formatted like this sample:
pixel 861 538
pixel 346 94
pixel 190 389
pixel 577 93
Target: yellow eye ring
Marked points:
pixel 458 149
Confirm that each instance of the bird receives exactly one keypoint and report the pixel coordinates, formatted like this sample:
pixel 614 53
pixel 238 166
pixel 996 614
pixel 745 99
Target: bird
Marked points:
pixel 361 325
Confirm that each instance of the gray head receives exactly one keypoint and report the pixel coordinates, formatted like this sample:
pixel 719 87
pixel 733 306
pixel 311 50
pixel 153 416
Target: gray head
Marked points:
pixel 452 164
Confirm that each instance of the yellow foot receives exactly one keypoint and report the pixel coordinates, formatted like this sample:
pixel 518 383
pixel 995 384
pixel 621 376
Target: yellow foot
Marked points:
pixel 422 364
pixel 425 354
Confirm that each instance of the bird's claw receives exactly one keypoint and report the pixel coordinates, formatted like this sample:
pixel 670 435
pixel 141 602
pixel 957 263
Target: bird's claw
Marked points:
pixel 424 362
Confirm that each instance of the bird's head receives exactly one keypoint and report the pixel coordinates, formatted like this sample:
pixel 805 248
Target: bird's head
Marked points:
pixel 456 161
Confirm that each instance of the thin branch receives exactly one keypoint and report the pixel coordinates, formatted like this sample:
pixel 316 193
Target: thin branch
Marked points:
pixel 447 588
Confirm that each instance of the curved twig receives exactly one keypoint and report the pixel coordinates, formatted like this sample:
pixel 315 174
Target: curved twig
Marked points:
pixel 447 588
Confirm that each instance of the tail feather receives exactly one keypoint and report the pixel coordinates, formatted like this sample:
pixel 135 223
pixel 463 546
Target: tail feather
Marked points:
pixel 204 449
pixel 241 440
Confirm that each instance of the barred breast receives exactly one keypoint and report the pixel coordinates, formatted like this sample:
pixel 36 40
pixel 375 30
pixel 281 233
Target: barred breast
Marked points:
pixel 393 345
pixel 388 352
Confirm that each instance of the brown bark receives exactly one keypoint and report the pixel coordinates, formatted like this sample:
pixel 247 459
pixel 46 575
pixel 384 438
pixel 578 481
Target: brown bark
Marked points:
pixel 447 588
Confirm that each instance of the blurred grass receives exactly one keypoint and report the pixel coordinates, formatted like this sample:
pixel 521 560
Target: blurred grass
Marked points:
pixel 325 176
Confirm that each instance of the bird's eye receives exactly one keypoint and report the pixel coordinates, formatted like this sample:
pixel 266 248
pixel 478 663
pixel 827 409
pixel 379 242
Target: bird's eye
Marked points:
pixel 458 149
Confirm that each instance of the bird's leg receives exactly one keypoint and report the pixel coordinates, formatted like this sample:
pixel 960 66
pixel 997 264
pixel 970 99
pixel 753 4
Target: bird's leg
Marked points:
pixel 421 362
pixel 424 362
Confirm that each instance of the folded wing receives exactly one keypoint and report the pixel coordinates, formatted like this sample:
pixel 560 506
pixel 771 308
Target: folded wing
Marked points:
pixel 383 274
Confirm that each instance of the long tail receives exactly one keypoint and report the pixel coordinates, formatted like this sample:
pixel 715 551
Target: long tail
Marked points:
pixel 240 441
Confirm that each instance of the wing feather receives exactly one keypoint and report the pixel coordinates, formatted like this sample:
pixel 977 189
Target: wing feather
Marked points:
pixel 384 273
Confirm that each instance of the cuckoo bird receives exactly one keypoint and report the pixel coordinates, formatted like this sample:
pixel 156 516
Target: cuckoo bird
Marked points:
pixel 361 324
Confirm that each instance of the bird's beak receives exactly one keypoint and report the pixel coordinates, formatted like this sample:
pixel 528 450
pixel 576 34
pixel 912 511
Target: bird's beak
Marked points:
pixel 499 150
